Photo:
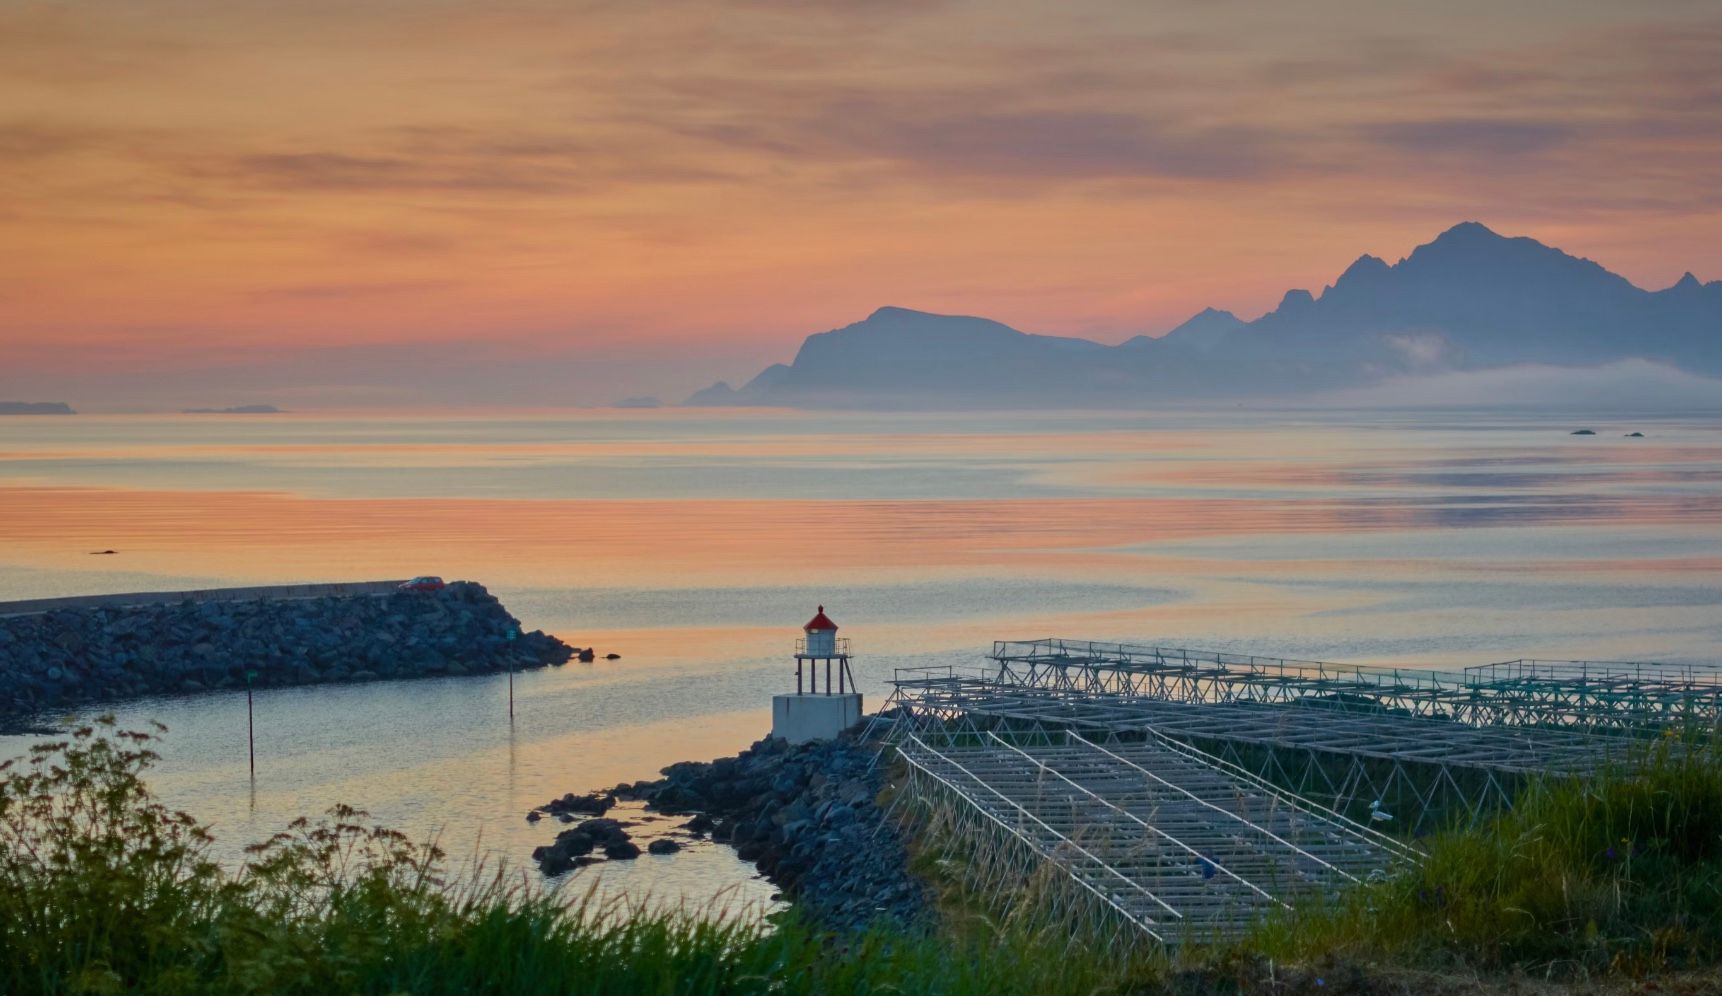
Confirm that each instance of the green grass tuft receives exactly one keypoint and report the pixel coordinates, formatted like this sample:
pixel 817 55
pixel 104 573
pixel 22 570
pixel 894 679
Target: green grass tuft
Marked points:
pixel 1621 871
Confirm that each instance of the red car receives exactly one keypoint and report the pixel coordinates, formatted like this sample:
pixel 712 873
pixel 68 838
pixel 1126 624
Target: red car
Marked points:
pixel 426 583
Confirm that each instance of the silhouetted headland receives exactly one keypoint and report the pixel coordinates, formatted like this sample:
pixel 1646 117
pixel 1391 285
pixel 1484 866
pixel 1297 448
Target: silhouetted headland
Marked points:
pixel 1470 300
pixel 35 408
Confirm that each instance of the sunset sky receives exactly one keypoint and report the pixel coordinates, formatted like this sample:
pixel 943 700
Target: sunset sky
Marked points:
pixel 423 202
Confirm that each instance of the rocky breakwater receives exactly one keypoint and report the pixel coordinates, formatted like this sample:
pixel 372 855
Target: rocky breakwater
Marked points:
pixel 807 816
pixel 85 655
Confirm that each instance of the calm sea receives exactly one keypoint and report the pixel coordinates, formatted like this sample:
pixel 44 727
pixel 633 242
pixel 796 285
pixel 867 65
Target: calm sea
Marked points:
pixel 694 544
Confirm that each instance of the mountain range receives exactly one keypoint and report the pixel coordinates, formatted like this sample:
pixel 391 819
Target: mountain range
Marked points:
pixel 1471 300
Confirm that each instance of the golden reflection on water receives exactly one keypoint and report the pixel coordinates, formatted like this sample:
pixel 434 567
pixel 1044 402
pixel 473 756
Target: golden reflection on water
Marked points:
pixel 455 454
pixel 582 542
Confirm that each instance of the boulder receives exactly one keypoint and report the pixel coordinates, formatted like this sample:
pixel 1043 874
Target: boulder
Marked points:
pixel 575 841
pixel 590 804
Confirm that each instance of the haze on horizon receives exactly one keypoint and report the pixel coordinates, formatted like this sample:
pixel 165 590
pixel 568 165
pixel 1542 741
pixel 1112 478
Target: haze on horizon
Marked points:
pixel 458 203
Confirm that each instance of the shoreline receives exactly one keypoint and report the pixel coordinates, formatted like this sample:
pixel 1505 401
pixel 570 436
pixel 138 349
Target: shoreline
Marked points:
pixel 808 816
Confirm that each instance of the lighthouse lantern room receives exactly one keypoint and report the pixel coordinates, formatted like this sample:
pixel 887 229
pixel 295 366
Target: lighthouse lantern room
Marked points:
pixel 821 639
pixel 819 710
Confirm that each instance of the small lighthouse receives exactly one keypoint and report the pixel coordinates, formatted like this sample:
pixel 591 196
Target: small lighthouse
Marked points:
pixel 819 710
pixel 821 639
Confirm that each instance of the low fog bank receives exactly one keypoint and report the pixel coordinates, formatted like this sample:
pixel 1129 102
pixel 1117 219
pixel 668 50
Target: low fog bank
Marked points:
pixel 1629 385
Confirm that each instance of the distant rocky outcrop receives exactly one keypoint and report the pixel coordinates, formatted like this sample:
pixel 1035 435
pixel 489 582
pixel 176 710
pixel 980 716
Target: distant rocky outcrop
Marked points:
pixel 1469 300
pixel 717 394
pixel 67 657
pixel 35 408
pixel 235 410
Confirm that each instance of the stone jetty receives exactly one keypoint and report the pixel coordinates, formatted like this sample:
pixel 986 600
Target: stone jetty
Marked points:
pixel 104 651
pixel 807 816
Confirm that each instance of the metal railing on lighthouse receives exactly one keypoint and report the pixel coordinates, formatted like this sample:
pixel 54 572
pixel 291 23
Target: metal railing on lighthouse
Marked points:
pixel 836 669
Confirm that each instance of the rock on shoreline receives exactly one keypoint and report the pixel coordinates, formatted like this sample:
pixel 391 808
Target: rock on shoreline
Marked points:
pixel 574 847
pixel 808 817
pixel 85 655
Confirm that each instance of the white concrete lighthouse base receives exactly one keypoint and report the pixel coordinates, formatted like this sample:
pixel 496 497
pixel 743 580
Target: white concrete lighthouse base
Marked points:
pixel 800 718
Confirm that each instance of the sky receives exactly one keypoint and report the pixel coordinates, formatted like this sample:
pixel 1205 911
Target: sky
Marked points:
pixel 462 202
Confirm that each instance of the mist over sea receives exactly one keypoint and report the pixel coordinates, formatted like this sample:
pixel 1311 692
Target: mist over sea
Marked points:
pixel 695 543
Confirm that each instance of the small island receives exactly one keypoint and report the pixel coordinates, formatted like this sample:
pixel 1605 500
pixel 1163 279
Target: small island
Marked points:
pixel 235 410
pixel 35 408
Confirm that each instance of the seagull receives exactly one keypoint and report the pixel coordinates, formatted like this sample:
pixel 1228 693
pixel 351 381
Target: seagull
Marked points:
pixel 1376 815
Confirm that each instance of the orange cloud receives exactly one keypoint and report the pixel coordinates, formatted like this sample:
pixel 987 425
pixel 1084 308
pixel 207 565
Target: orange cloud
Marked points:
pixel 205 186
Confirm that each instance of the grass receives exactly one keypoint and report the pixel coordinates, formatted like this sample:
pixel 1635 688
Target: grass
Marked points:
pixel 1618 875
pixel 104 889
pixel 1620 872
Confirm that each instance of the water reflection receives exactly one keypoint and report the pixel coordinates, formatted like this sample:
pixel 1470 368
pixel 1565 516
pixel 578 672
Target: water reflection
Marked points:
pixel 694 544
pixel 441 759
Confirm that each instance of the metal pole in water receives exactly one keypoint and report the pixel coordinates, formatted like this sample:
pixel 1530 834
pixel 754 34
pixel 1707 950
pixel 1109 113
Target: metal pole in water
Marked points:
pixel 250 724
pixel 513 634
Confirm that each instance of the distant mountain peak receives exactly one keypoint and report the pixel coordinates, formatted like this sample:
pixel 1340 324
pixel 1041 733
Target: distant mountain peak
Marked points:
pixel 1468 231
pixel 1366 265
pixel 1296 299
pixel 1205 329
pixel 892 322
pixel 1687 282
pixel 1207 320
pixel 1471 240
pixel 1366 272
pixel 891 311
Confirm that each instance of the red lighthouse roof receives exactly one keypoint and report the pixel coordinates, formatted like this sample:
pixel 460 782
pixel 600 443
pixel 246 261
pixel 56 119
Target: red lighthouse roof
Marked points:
pixel 820 622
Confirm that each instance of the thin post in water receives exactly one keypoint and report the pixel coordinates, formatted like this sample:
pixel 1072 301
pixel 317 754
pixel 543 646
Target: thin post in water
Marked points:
pixel 250 724
pixel 513 634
